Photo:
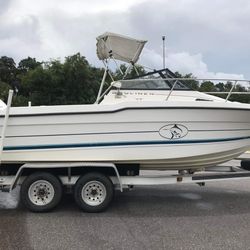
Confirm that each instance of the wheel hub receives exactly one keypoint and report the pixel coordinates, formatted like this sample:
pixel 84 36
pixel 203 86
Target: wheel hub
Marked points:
pixel 93 193
pixel 41 192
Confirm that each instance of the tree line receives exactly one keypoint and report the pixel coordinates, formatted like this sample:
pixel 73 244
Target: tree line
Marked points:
pixel 49 83
pixel 73 81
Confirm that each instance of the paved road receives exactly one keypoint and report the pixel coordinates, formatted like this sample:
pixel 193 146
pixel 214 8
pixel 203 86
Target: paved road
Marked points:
pixel 172 217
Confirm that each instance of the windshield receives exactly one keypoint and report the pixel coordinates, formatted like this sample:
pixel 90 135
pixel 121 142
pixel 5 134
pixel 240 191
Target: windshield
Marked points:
pixel 152 84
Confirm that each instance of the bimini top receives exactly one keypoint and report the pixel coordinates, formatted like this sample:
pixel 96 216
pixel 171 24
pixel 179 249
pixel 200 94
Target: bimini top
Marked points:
pixel 123 48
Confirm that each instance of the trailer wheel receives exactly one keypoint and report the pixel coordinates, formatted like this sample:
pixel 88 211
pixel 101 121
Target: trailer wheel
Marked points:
pixel 245 164
pixel 93 192
pixel 41 192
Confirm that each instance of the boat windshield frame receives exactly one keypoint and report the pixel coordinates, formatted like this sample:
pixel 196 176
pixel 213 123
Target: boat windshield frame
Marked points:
pixel 152 84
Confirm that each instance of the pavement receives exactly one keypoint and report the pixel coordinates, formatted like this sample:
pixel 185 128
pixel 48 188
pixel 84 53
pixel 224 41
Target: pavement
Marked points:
pixel 216 216
pixel 171 217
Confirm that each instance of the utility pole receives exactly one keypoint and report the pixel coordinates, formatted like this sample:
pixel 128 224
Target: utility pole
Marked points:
pixel 163 51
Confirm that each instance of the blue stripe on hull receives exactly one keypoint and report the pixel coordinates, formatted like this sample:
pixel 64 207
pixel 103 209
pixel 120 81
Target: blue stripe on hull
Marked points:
pixel 120 132
pixel 123 143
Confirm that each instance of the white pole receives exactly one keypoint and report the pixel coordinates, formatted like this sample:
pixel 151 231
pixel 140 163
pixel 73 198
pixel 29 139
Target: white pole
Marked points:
pixel 102 83
pixel 5 122
pixel 163 51
pixel 231 90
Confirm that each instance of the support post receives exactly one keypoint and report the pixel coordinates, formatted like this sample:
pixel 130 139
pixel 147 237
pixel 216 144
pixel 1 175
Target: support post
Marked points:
pixel 163 51
pixel 127 71
pixel 5 122
pixel 171 90
pixel 231 90
pixel 102 84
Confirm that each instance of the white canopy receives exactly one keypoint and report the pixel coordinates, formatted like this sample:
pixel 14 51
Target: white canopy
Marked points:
pixel 111 45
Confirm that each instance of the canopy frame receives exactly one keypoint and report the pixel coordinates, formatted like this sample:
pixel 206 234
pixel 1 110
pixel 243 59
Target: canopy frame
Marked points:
pixel 108 50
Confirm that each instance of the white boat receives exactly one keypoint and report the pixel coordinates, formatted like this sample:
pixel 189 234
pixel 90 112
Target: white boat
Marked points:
pixel 155 123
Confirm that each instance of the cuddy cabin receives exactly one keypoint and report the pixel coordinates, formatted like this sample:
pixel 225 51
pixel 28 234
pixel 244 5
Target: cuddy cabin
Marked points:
pixel 157 90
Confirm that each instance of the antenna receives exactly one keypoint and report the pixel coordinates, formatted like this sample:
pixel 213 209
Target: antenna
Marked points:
pixel 163 51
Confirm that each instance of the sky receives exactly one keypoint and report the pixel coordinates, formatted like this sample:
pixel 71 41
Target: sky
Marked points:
pixel 210 39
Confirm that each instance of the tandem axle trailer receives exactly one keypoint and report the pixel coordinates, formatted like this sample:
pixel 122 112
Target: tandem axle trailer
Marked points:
pixel 93 183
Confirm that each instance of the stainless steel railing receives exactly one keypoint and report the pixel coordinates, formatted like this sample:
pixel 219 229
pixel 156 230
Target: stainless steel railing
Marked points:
pixel 184 81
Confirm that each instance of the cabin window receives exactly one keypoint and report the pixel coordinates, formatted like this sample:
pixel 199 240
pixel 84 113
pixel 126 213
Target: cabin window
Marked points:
pixel 151 84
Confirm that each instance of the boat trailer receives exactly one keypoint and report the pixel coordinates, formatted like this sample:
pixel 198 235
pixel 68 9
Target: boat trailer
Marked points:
pixel 96 189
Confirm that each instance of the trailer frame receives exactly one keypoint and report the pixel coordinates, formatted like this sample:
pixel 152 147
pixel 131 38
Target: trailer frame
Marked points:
pixel 9 182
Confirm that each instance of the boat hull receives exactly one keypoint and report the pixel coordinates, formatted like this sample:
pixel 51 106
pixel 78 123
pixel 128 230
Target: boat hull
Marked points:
pixel 155 136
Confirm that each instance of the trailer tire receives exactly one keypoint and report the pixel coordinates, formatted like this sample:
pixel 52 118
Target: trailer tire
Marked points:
pixel 41 192
pixel 245 164
pixel 93 192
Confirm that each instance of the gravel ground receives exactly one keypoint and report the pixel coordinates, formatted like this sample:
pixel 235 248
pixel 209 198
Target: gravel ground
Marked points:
pixel 216 216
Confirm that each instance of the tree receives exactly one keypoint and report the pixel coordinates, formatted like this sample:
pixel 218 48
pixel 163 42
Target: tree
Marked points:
pixel 36 86
pixel 8 70
pixel 228 86
pixel 4 90
pixel 81 81
pixel 53 83
pixel 193 84
pixel 133 73
pixel 220 87
pixel 207 86
pixel 28 64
